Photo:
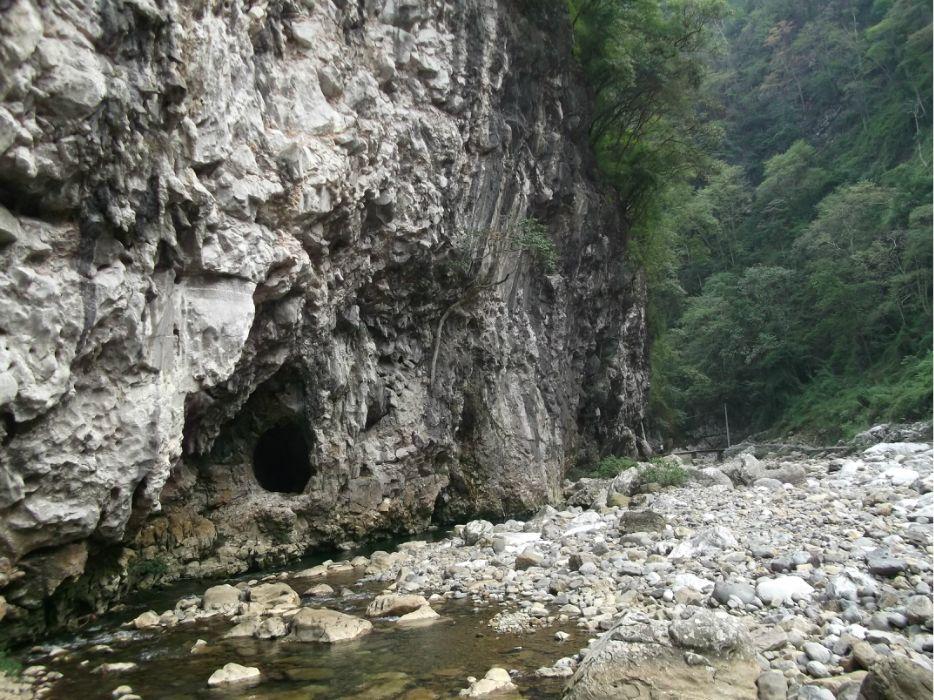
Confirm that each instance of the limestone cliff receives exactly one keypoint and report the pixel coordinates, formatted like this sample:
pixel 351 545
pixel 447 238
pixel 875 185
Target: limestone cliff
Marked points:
pixel 229 231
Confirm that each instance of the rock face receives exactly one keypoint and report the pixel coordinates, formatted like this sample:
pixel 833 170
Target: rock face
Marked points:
pixel 239 262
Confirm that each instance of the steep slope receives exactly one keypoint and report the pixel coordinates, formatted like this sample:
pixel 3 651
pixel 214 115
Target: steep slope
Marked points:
pixel 229 232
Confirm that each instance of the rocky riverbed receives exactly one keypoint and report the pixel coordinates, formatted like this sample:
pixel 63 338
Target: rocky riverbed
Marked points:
pixel 792 576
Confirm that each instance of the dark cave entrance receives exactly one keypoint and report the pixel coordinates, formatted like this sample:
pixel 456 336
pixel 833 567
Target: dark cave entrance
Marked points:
pixel 280 460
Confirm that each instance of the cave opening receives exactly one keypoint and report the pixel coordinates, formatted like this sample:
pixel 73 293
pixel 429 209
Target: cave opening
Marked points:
pixel 280 460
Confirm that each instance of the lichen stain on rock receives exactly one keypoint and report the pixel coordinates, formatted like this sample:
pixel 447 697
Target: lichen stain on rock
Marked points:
pixel 217 218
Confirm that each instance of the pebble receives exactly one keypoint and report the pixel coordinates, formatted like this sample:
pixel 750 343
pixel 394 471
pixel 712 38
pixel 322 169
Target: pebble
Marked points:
pixel 826 574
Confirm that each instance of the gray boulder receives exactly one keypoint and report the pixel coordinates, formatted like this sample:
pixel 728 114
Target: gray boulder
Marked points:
pixel 327 626
pixel 223 599
pixel 772 685
pixel 724 590
pixel 897 678
pixel 475 530
pixel 635 659
pixel 273 594
pixel 882 563
pixel 711 631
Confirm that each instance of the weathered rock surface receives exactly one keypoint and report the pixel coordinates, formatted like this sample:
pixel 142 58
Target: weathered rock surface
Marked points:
pixel 393 604
pixel 423 615
pixel 273 594
pixel 635 659
pixel 234 674
pixel 223 599
pixel 495 682
pixel 897 678
pixel 234 228
pixel 328 626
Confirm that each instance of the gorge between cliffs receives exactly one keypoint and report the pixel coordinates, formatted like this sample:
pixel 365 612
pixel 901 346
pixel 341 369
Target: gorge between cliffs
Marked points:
pixel 325 333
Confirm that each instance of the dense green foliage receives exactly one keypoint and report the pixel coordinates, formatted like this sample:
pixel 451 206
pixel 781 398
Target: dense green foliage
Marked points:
pixel 789 260
pixel 664 473
pixel 611 466
pixel 659 471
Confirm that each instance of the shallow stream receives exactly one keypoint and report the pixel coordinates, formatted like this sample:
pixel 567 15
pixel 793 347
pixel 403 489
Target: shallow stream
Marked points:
pixel 414 663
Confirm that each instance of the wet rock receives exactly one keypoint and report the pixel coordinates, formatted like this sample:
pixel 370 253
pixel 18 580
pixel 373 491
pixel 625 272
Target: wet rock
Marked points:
pixel 146 620
pixel 320 590
pixel 116 667
pixel 313 572
pixel 245 628
pixel 272 628
pixel 221 599
pixel 234 674
pixel 393 604
pixel 327 626
pixel 424 614
pixel 274 594
pixel 496 680
pixel 554 671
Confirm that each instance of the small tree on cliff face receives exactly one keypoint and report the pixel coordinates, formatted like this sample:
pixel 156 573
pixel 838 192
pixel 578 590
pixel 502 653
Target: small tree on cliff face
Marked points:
pixel 477 262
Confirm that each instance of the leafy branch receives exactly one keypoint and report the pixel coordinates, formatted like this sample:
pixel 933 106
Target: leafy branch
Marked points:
pixel 477 259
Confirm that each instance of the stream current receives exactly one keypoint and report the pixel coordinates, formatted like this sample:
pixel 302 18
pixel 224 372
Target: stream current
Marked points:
pixel 410 663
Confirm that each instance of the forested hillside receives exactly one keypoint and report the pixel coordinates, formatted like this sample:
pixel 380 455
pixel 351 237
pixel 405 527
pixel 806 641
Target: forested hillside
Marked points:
pixel 775 161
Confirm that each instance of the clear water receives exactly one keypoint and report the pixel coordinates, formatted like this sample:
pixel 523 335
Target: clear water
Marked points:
pixel 414 663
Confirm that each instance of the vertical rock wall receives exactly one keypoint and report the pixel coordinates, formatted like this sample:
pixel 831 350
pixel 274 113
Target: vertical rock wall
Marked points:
pixel 224 218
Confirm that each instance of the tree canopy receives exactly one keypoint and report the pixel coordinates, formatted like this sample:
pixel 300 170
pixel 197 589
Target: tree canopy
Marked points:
pixel 774 162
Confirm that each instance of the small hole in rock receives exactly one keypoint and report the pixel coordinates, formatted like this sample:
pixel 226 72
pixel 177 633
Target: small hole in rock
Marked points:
pixel 280 460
